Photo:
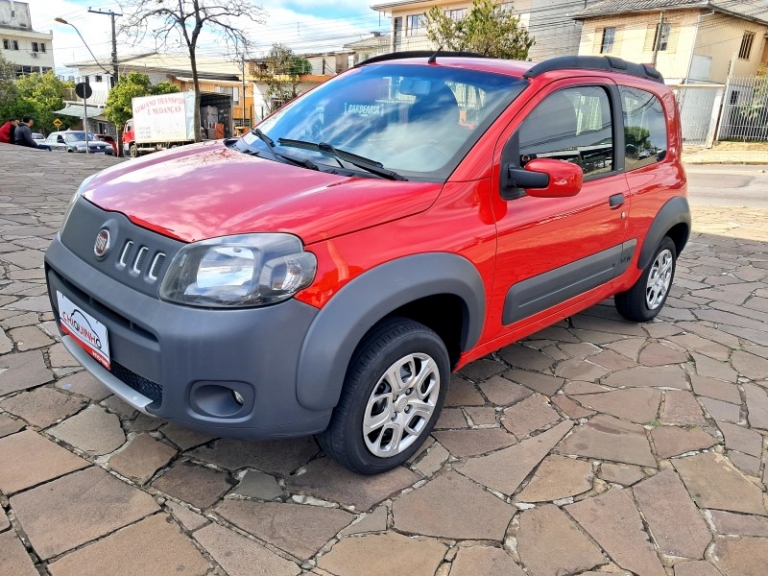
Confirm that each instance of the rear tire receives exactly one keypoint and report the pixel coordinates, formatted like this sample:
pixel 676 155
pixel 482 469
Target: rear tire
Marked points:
pixel 393 392
pixel 646 298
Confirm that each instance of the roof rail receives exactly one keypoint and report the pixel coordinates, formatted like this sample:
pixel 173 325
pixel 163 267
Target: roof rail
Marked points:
pixel 609 63
pixel 418 54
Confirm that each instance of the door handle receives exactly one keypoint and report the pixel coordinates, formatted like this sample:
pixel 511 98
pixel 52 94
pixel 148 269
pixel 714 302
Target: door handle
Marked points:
pixel 615 201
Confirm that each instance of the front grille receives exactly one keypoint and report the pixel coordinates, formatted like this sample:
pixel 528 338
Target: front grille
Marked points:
pixel 142 385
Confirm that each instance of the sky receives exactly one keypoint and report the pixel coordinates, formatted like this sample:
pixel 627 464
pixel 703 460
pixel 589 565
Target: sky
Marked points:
pixel 304 25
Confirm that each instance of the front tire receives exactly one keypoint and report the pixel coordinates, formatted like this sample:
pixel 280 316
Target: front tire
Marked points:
pixel 393 392
pixel 646 298
pixel 133 151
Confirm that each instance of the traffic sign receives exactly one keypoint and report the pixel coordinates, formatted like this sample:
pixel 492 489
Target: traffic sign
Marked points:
pixel 84 90
pixel 57 123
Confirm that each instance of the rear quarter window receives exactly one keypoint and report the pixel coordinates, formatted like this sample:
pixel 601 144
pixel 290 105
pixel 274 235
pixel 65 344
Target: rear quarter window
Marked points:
pixel 645 128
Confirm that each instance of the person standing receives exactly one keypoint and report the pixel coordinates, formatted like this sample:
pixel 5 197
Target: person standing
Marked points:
pixel 23 133
pixel 7 131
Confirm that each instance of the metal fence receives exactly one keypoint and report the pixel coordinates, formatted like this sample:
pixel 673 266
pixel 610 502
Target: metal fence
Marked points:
pixel 744 115
pixel 699 106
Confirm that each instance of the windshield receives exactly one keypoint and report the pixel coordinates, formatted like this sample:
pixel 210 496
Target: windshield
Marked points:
pixel 418 120
pixel 77 136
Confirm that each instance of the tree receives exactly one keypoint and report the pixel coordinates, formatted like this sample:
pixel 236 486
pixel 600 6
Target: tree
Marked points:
pixel 487 29
pixel 281 71
pixel 8 92
pixel 43 94
pixel 119 107
pixel 35 95
pixel 188 19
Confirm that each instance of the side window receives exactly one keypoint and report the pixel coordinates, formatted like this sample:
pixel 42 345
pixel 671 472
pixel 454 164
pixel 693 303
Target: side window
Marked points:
pixel 573 124
pixel 645 128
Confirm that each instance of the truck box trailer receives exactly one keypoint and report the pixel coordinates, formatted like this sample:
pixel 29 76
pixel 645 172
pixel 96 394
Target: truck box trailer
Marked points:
pixel 168 120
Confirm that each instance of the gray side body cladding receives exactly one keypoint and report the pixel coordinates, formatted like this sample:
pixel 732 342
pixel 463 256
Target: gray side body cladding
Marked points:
pixel 675 211
pixel 358 306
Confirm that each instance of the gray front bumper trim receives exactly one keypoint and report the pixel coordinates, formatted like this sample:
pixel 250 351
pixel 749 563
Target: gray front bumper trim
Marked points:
pixel 115 385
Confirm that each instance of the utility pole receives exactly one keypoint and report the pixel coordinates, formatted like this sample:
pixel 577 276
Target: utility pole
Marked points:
pixel 243 94
pixel 115 71
pixel 657 43
pixel 112 15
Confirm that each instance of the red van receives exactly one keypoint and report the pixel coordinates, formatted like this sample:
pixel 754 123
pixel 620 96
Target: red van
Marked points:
pixel 325 273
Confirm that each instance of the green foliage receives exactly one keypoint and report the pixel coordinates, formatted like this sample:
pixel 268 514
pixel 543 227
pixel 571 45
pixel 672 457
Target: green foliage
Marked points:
pixel 487 29
pixel 119 107
pixel 280 71
pixel 637 136
pixel 8 92
pixel 35 95
pixel 163 88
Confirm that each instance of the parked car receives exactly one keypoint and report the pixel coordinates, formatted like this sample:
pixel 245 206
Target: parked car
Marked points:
pixel 109 140
pixel 327 272
pixel 75 141
pixel 39 138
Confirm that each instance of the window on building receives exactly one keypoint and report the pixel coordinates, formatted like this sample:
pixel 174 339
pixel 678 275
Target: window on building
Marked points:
pixel 98 78
pixel 734 98
pixel 746 45
pixel 42 47
pixel 456 14
pixel 573 124
pixel 663 39
pixel 10 44
pixel 235 95
pixel 415 24
pixel 645 128
pixel 506 7
pixel 609 35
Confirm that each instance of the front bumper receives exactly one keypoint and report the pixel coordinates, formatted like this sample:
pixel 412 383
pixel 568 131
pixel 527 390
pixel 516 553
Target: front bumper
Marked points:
pixel 183 364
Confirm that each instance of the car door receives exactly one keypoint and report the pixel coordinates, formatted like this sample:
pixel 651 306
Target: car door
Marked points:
pixel 553 251
pixel 54 141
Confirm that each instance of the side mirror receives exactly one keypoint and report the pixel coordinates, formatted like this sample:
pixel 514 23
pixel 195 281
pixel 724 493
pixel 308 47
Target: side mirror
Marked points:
pixel 547 178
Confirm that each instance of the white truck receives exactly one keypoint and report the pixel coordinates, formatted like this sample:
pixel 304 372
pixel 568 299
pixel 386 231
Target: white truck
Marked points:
pixel 168 120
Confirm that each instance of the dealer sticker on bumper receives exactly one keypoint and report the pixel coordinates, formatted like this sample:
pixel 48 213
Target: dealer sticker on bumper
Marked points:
pixel 85 329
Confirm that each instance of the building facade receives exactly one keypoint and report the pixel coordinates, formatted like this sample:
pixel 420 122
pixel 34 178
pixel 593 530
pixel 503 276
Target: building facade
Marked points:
pixel 29 50
pixel 550 22
pixel 701 44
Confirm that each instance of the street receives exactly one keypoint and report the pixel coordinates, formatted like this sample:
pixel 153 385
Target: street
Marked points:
pixel 728 185
pixel 595 446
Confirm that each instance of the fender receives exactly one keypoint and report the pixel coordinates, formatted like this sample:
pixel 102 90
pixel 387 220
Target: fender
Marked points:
pixel 675 211
pixel 343 322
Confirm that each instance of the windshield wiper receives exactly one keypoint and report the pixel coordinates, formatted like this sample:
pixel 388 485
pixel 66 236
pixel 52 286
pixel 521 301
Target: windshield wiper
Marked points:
pixel 362 162
pixel 271 146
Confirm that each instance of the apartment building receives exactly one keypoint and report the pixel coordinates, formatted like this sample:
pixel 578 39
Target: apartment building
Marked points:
pixel 550 22
pixel 29 50
pixel 702 41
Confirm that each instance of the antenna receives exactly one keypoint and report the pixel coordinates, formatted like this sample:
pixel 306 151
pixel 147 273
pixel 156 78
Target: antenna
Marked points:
pixel 432 59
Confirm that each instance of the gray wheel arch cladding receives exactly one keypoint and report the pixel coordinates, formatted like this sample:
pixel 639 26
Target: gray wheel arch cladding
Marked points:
pixel 343 322
pixel 675 211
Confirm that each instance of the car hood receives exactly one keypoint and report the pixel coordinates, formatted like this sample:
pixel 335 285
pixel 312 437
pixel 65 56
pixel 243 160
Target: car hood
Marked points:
pixel 204 191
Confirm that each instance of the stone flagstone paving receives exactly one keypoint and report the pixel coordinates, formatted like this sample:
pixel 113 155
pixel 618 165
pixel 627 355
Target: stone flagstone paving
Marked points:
pixel 594 447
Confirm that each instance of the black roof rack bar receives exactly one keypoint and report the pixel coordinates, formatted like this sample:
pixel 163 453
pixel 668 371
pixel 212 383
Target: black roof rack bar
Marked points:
pixel 608 63
pixel 418 54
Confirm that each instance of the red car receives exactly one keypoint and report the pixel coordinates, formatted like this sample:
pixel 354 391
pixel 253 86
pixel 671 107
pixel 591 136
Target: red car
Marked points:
pixel 327 272
pixel 109 140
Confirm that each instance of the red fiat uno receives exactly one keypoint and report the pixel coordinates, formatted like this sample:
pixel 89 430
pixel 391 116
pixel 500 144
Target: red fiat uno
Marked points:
pixel 327 272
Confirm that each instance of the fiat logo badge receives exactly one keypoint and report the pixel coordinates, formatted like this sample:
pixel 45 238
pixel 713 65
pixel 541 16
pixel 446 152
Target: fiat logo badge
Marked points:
pixel 101 246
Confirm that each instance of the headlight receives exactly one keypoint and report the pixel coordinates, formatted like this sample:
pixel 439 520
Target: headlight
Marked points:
pixel 74 199
pixel 239 271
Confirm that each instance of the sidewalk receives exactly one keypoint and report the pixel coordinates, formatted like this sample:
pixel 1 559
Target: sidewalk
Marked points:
pixel 595 446
pixel 727 153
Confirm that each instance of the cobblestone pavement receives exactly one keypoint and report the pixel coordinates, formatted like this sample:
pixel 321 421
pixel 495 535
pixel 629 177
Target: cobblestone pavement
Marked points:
pixel 594 446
